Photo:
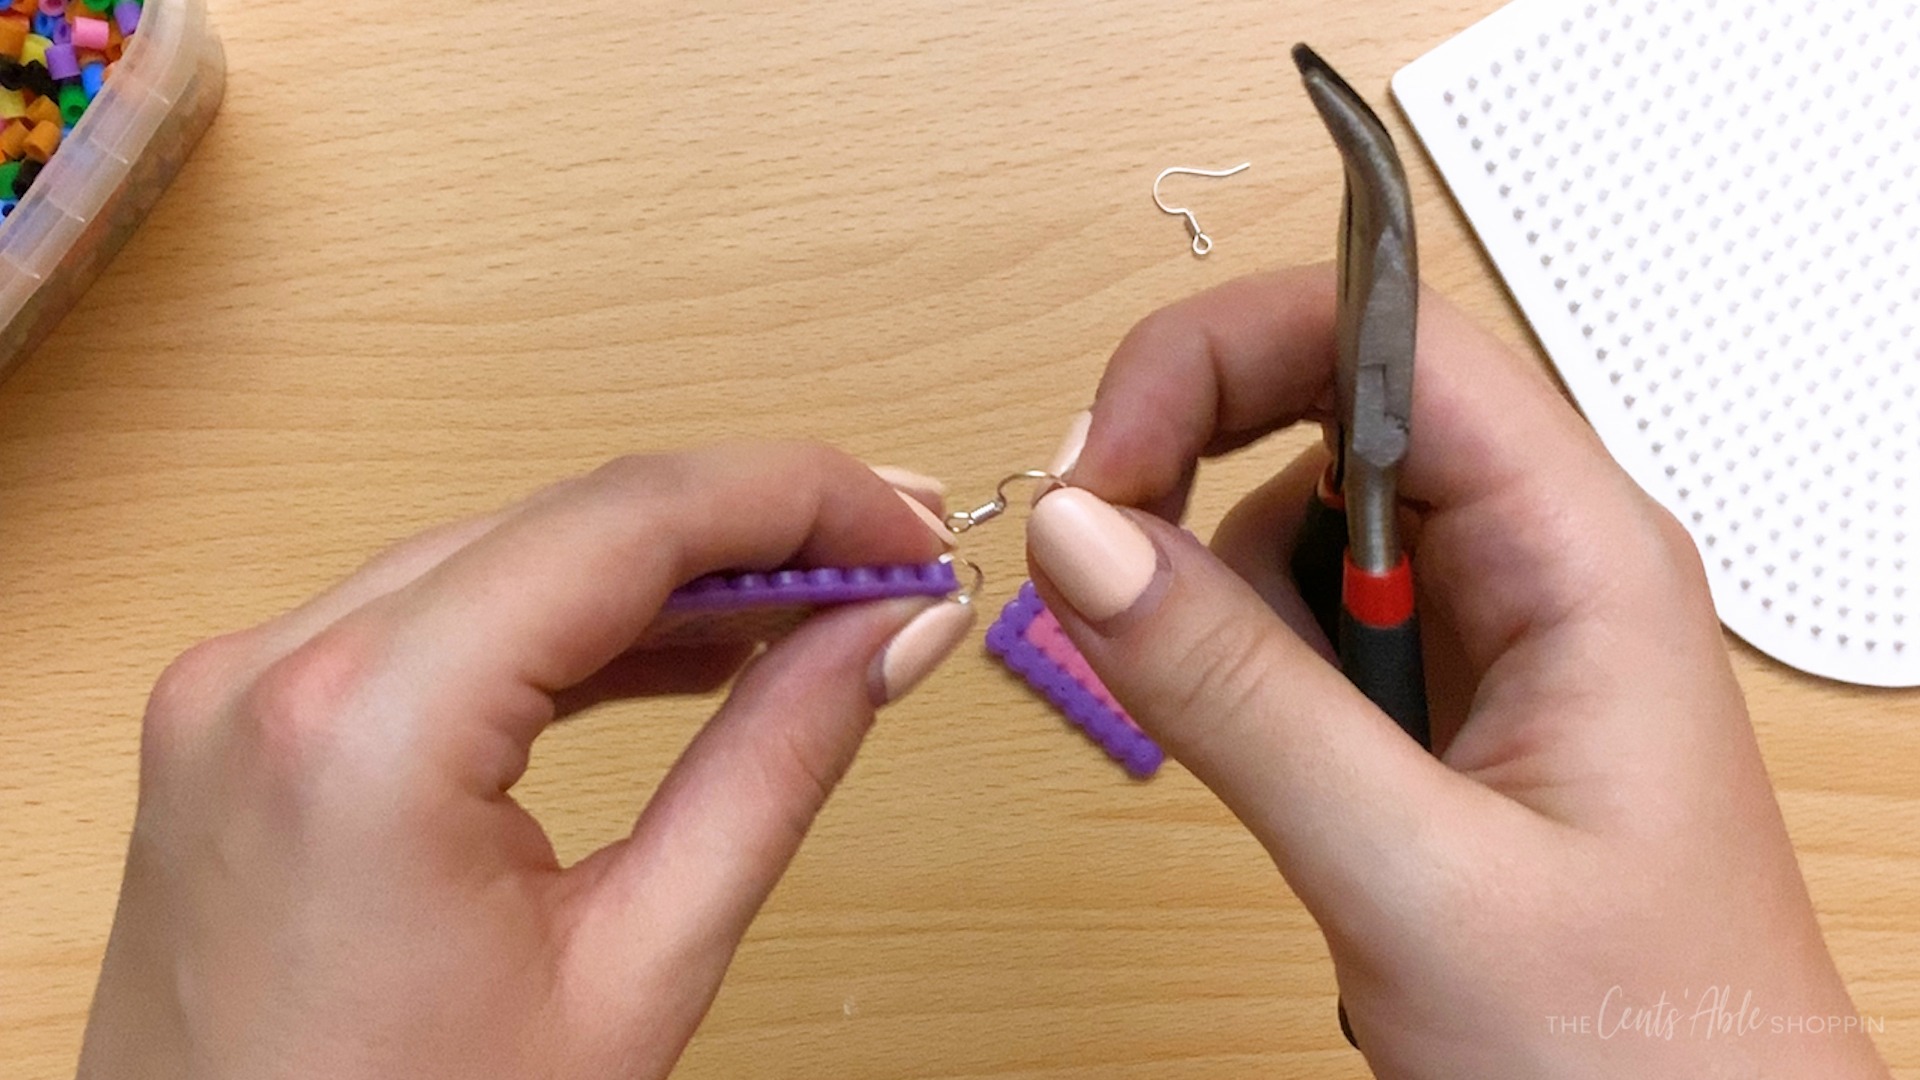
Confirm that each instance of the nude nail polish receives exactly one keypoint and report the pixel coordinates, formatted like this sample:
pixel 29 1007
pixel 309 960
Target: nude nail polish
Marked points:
pixel 929 491
pixel 929 519
pixel 1099 559
pixel 920 647
pixel 1068 455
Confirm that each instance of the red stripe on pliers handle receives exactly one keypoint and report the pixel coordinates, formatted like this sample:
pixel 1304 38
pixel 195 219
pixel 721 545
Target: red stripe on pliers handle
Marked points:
pixel 1382 601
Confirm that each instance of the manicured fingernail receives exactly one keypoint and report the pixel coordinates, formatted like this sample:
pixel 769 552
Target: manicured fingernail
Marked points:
pixel 928 518
pixel 1068 454
pixel 1065 458
pixel 1098 559
pixel 918 649
pixel 931 492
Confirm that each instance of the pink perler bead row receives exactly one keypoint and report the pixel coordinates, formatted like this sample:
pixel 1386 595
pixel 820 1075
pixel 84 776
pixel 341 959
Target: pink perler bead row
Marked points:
pixel 1029 640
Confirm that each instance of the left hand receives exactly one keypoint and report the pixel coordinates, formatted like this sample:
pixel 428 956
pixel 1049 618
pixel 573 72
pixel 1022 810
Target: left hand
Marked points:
pixel 328 875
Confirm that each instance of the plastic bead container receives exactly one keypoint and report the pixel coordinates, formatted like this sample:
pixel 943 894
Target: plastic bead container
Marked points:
pixel 109 171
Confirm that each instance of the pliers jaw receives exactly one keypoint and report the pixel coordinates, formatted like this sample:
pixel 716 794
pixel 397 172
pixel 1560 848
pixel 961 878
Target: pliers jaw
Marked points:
pixel 1378 308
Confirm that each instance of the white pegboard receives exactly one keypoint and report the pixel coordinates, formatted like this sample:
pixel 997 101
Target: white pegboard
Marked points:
pixel 1709 210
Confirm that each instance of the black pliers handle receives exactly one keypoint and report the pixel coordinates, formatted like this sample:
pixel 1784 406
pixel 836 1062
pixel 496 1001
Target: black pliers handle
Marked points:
pixel 1347 561
pixel 1369 616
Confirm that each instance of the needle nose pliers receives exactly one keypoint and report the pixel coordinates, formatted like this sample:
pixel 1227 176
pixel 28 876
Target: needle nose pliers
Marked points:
pixel 1347 561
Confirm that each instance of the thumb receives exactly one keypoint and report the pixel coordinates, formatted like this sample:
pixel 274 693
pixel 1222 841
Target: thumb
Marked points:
pixel 1327 782
pixel 731 813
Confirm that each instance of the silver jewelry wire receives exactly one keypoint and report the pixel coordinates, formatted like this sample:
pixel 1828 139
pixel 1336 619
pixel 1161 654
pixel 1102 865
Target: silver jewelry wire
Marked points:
pixel 974 588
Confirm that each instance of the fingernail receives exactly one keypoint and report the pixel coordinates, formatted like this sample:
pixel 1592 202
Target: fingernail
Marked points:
pixel 1068 455
pixel 928 518
pixel 920 646
pixel 929 491
pixel 1098 559
pixel 1065 458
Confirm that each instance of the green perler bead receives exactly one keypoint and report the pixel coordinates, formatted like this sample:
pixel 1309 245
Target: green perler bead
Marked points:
pixel 73 104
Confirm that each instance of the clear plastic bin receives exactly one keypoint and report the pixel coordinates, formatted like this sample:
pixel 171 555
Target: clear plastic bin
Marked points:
pixel 109 172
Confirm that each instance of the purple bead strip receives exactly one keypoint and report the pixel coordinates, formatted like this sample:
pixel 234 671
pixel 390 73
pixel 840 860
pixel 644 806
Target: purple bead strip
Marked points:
pixel 813 588
pixel 1112 731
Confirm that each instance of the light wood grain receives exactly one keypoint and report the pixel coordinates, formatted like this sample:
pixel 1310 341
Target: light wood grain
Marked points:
pixel 426 260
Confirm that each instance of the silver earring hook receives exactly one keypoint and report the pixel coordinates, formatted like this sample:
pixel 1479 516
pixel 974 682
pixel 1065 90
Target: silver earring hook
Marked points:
pixel 960 521
pixel 1202 243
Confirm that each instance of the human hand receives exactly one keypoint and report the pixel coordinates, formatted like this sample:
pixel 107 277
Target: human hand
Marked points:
pixel 328 875
pixel 1597 839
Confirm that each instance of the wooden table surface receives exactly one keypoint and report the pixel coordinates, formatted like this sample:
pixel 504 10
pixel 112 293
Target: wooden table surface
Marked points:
pixel 422 264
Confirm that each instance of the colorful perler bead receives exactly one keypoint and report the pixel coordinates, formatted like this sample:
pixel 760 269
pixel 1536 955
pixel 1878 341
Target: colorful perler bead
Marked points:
pixel 55 57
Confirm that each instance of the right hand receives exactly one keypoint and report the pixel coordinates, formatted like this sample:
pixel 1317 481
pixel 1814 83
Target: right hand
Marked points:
pixel 1597 838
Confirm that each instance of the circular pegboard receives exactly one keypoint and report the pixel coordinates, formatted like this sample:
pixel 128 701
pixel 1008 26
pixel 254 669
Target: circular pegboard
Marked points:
pixel 1708 211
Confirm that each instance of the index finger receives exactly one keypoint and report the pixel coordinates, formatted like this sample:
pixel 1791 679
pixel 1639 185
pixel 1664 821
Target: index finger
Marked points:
pixel 1532 541
pixel 551 595
pixel 1227 366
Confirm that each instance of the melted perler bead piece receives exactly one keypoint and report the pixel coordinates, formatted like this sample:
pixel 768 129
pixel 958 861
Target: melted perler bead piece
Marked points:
pixel 817 587
pixel 764 606
pixel 1029 640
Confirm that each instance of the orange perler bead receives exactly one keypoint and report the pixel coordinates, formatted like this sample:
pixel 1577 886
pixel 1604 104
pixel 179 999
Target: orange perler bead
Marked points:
pixel 13 140
pixel 43 140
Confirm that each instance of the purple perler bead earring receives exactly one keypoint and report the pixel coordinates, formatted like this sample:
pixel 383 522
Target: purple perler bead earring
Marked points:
pixel 1029 640
pixel 1027 637
pixel 760 607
